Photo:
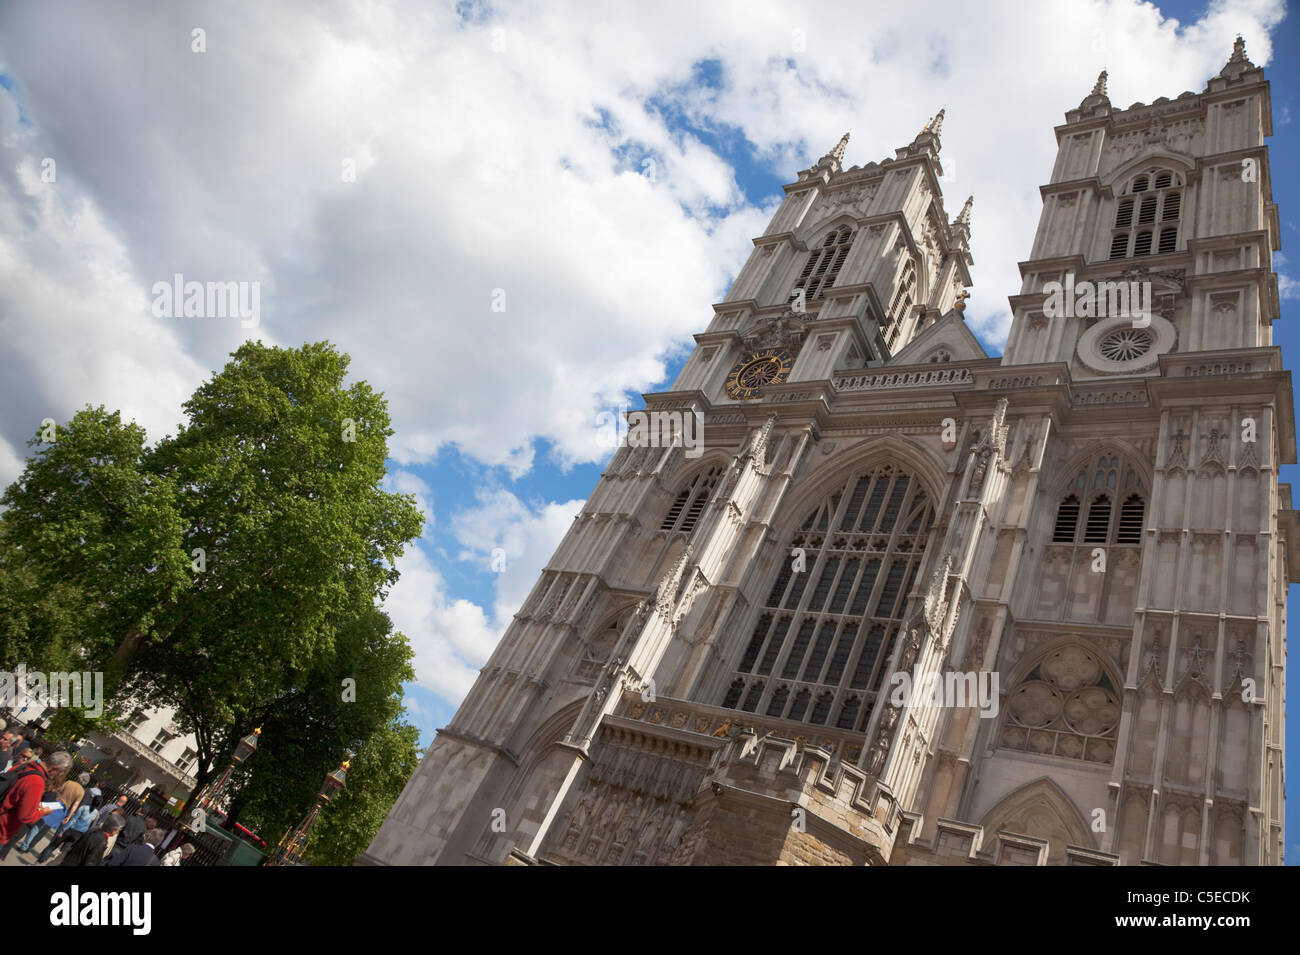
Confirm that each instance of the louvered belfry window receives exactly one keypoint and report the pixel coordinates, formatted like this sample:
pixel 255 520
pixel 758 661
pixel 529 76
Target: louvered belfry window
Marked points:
pixel 824 264
pixel 821 644
pixel 1152 198
pixel 689 503
pixel 1091 499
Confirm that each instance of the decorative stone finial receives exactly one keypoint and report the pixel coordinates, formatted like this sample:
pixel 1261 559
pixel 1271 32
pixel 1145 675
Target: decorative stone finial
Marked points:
pixel 964 216
pixel 1100 88
pixel 838 151
pixel 1238 62
pixel 833 158
pixel 934 125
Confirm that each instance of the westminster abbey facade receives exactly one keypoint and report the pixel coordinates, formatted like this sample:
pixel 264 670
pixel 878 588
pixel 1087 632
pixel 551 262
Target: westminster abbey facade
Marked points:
pixel 711 669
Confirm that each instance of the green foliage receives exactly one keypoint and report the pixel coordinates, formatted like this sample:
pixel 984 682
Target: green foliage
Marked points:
pixel 383 764
pixel 309 729
pixel 91 542
pixel 230 571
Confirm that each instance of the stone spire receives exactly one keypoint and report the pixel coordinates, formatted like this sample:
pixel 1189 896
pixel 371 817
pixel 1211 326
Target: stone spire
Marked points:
pixel 926 141
pixel 838 151
pixel 1238 62
pixel 961 225
pixel 934 125
pixel 1097 98
pixel 963 218
pixel 833 158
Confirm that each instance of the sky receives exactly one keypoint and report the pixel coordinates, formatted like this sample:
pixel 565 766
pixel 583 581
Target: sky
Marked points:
pixel 512 217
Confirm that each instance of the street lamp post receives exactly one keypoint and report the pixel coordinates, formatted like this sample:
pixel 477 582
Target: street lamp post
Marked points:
pixel 210 796
pixel 294 844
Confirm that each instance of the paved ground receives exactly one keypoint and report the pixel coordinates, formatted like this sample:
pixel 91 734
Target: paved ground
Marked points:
pixel 26 858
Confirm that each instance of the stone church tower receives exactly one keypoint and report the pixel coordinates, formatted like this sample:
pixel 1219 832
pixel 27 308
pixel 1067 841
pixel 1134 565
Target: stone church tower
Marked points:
pixel 1091 527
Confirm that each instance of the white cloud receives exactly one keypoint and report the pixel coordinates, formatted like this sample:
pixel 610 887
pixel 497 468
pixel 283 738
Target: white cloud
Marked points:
pixel 528 535
pixel 482 170
pixel 453 638
pixel 1287 287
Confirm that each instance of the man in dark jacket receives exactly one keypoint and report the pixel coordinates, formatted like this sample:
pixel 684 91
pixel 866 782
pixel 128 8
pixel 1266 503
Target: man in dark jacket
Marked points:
pixel 136 824
pixel 91 848
pixel 142 853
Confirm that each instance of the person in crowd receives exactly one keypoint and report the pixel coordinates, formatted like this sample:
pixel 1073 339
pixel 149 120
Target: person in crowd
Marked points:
pixel 6 751
pixel 95 845
pixel 76 826
pixel 136 825
pixel 18 746
pixel 20 805
pixel 69 796
pixel 179 854
pixel 140 853
pixel 30 754
pixel 111 807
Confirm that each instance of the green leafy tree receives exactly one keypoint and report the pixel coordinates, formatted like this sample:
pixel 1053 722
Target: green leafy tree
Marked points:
pixel 213 571
pixel 90 544
pixel 353 692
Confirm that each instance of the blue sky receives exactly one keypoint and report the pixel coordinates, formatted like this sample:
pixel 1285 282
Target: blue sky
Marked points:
pixel 604 173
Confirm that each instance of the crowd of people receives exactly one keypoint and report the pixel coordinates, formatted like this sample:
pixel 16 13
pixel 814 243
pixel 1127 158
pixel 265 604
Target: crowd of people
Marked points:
pixel 42 804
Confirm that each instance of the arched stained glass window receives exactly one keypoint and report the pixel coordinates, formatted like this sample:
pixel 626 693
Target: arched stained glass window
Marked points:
pixel 827 627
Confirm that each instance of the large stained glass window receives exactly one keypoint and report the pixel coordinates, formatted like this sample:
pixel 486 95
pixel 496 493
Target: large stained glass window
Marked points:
pixel 822 642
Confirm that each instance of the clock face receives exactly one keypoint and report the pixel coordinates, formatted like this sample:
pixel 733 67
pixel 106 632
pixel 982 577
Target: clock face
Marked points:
pixel 752 372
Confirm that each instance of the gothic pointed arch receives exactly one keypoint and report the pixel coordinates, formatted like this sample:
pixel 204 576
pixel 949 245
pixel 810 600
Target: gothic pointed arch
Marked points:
pixel 690 494
pixel 1101 497
pixel 922 462
pixel 829 244
pixel 1041 809
pixel 1063 478
pixel 1063 701
pixel 495 844
pixel 599 643
pixel 817 645
pixel 1125 173
pixel 813 234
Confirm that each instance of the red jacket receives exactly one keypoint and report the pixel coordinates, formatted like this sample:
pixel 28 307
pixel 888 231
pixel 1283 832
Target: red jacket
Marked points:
pixel 22 803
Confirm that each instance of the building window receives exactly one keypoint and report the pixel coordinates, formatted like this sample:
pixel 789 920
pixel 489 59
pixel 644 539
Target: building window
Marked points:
pixel 689 503
pixel 1126 344
pixel 1067 519
pixel 161 740
pixel 188 761
pixel 1102 522
pixel 822 641
pixel 900 306
pixel 138 719
pixel 1154 197
pixel 823 265
pixel 1065 706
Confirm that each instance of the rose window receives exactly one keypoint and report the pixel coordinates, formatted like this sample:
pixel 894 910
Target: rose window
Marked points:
pixel 1125 344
